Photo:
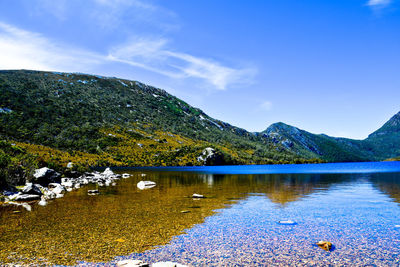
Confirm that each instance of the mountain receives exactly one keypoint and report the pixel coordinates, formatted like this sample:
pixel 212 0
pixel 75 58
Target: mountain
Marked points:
pixel 380 145
pixel 99 121
pixel 54 118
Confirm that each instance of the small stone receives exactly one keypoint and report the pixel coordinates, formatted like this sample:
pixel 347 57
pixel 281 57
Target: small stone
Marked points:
pixel 126 175
pixel 93 192
pixel 325 245
pixel 42 202
pixel 185 211
pixel 197 196
pixel 146 184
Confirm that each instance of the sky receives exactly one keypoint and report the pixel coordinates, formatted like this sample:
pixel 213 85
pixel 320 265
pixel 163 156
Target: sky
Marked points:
pixel 328 67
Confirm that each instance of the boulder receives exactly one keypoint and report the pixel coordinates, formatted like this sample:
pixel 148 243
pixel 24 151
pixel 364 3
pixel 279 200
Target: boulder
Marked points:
pixel 26 197
pixel 67 184
pixel 44 176
pixel 108 172
pixel 31 189
pixel 57 188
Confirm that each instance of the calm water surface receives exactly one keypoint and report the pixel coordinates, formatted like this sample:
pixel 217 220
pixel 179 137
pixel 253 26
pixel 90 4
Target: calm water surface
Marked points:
pixel 355 206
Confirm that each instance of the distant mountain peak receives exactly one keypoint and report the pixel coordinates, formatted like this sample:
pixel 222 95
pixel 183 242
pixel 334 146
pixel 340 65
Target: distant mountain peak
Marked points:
pixel 391 126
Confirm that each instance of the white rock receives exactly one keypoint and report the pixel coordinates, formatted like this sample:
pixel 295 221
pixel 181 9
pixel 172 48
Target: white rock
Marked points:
pixel 143 174
pixel 108 172
pixel 40 172
pixel 59 195
pixel 76 186
pixel 58 190
pixel 26 197
pixel 84 181
pixel 70 165
pixel 197 196
pixel 67 184
pixel 146 184
pixel 126 175
pixel 48 194
pixel 42 202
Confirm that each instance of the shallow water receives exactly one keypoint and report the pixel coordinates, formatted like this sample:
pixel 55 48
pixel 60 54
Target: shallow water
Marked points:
pixel 237 224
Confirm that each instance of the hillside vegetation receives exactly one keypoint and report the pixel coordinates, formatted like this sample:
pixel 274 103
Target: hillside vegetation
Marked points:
pixel 98 121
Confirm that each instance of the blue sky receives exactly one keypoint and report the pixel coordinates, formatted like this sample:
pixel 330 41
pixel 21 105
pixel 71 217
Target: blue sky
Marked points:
pixel 324 66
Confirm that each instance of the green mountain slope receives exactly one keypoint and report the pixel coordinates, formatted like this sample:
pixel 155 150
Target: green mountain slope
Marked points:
pixel 119 118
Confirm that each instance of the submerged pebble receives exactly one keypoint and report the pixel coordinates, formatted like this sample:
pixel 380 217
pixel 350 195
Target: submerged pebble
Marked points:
pixel 287 222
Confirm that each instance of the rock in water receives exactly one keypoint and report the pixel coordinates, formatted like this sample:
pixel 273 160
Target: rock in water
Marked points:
pixel 197 196
pixel 125 175
pixel 325 245
pixel 93 192
pixel 146 184
pixel 132 263
pixel 42 202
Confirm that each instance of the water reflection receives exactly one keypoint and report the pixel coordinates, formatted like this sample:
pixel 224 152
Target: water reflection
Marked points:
pixel 124 219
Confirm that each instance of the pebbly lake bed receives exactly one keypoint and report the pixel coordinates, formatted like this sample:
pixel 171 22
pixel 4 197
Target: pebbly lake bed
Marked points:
pixel 353 205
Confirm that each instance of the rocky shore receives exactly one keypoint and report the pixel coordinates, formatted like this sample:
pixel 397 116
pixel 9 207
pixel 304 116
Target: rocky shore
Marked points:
pixel 48 184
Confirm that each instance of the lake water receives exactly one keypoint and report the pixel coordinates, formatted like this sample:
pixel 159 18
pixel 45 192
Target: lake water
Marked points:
pixel 355 206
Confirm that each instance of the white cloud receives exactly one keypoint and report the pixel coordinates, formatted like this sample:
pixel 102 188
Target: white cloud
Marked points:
pixel 153 55
pixel 266 105
pixel 378 3
pixel 22 49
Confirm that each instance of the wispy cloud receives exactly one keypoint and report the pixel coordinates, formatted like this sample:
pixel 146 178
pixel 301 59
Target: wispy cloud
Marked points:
pixel 266 105
pixel 28 50
pixel 378 3
pixel 153 55
pixel 112 14
pixel 24 49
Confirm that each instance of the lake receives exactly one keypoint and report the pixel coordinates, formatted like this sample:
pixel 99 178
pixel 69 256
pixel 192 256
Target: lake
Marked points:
pixel 353 205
